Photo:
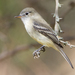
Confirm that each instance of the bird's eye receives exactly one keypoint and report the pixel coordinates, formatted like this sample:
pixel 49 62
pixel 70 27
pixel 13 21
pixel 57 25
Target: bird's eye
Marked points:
pixel 27 13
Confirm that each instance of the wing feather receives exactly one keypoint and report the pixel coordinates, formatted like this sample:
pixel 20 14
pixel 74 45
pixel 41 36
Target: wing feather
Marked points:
pixel 47 31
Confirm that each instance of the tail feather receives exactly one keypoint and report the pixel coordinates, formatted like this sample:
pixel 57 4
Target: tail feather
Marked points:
pixel 65 56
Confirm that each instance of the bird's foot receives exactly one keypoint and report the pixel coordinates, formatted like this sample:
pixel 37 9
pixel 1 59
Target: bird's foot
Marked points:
pixel 36 53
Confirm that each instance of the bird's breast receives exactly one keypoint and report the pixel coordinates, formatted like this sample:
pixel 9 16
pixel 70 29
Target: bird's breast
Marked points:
pixel 28 24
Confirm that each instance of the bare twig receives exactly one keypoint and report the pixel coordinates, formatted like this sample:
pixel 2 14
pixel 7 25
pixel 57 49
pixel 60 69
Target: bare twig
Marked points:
pixel 57 19
pixel 67 43
pixel 57 27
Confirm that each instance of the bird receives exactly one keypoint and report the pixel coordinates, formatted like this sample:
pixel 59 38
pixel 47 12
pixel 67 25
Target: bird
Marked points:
pixel 41 31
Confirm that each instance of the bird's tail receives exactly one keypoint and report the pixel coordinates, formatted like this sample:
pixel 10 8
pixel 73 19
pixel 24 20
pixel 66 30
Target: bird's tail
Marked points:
pixel 65 56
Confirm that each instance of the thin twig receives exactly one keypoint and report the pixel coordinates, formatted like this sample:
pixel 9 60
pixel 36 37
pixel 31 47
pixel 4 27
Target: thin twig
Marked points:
pixel 67 43
pixel 57 19
pixel 57 26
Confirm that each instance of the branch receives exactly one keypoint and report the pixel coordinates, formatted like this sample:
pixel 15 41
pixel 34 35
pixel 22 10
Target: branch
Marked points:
pixel 67 43
pixel 57 26
pixel 57 19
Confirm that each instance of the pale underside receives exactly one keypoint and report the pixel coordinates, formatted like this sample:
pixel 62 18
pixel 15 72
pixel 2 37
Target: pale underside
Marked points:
pixel 40 37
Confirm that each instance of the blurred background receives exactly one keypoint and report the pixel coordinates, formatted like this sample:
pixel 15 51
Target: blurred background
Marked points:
pixel 16 46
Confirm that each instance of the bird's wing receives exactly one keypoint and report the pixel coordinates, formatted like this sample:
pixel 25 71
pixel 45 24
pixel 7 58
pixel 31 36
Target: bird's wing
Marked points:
pixel 47 31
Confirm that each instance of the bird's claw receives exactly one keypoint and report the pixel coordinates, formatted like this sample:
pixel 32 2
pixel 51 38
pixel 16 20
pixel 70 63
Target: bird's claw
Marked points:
pixel 36 54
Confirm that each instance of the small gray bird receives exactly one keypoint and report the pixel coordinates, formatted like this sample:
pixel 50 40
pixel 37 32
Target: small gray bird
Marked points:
pixel 41 31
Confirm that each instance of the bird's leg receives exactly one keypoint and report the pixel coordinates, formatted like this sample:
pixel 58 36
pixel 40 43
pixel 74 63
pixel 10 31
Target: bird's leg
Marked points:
pixel 36 53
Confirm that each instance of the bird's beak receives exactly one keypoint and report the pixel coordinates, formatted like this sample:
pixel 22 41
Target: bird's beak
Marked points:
pixel 19 16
